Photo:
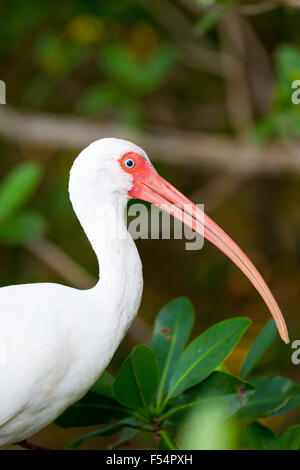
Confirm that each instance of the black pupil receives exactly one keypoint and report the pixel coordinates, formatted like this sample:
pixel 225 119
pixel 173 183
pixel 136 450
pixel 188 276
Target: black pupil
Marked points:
pixel 129 163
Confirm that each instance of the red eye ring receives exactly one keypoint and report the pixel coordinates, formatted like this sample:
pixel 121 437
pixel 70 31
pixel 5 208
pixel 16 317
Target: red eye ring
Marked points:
pixel 130 161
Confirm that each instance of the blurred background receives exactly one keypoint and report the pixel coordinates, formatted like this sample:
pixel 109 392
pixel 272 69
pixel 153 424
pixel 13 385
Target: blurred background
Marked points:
pixel 205 87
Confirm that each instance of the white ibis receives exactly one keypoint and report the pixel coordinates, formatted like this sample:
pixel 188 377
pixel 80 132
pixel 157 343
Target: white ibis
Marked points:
pixel 55 340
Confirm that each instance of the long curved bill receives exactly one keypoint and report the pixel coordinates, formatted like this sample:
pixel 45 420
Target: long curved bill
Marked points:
pixel 158 191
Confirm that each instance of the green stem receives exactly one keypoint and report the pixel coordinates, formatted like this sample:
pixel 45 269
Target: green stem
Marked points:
pixel 163 405
pixel 141 428
pixel 137 415
pixel 167 440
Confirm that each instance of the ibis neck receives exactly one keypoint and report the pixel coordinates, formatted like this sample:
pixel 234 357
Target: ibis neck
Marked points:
pixel 120 282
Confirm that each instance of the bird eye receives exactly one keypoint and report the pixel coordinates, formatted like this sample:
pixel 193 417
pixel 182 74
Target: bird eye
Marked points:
pixel 129 163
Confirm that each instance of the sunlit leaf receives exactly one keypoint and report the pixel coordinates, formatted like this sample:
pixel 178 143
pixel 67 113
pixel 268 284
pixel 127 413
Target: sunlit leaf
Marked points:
pixel 259 437
pixel 208 428
pixel 22 228
pixel 17 188
pixel 290 439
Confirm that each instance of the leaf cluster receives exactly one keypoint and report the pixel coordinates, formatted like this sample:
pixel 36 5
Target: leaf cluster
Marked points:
pixel 158 387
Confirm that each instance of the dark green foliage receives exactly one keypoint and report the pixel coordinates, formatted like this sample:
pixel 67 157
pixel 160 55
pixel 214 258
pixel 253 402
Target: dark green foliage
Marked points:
pixel 137 381
pixel 157 388
pixel 218 388
pixel 290 439
pixel 259 347
pixel 283 120
pixel 104 385
pixel 274 396
pixel 17 188
pixel 93 408
pixel 172 329
pixel 258 437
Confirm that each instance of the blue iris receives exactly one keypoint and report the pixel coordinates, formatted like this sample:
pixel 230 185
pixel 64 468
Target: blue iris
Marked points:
pixel 129 163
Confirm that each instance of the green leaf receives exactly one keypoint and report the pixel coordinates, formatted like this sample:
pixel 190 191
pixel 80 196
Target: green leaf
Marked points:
pixel 131 424
pixel 218 389
pixel 208 428
pixel 282 124
pixel 223 368
pixel 206 353
pixel 208 21
pixel 57 56
pixel 137 381
pixel 104 385
pixel 92 409
pixel 105 431
pixel 126 435
pixel 287 59
pixel 290 439
pixel 259 347
pixel 283 120
pixel 139 77
pixel 172 329
pixel 18 187
pixel 22 228
pixel 273 397
pixel 259 437
pixel 99 98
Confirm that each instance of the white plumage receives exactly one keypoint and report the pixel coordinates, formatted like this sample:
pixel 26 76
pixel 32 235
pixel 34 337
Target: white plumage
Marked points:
pixel 57 340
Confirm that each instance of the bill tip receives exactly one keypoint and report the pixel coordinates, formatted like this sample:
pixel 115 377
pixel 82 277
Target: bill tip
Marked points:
pixel 286 339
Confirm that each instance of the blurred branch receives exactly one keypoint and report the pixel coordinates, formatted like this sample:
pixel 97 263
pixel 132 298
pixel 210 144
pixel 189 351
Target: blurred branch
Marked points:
pixel 259 67
pixel 291 3
pixel 265 6
pixel 215 151
pixel 235 73
pixel 194 55
pixel 192 5
pixel 218 191
pixel 76 275
pixel 61 263
pixel 259 8
pixel 201 58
